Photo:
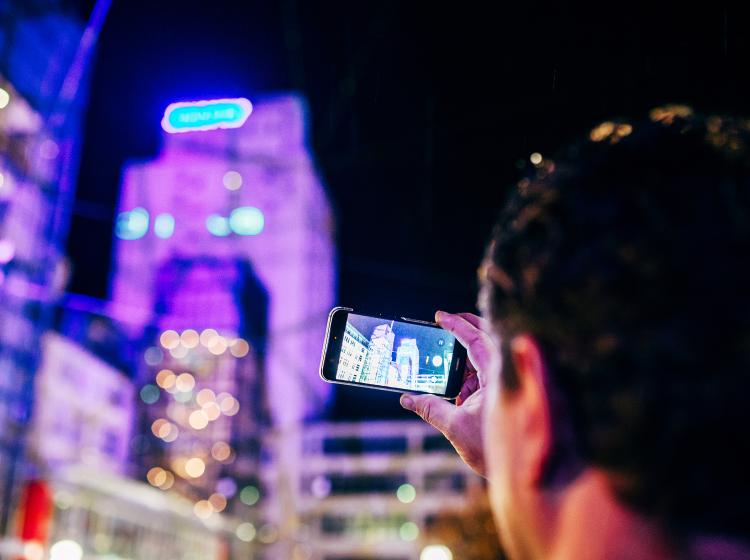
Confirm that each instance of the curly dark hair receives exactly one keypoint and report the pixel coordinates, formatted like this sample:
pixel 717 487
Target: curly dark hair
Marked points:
pixel 627 257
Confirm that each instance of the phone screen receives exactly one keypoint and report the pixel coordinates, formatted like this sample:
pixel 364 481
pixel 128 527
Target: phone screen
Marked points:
pixel 395 354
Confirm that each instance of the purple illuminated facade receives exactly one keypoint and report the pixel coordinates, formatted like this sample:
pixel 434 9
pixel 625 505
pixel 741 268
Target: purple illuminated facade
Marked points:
pixel 196 186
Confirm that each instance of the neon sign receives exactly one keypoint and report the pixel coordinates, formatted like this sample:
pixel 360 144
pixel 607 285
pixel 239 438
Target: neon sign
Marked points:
pixel 206 115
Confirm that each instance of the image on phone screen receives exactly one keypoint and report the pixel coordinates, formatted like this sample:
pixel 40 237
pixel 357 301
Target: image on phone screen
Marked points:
pixel 395 354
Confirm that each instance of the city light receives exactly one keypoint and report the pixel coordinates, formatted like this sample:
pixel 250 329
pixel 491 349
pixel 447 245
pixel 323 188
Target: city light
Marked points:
pixel 221 451
pixel 156 476
pixel 179 352
pixel 212 411
pixel 4 98
pixel 166 378
pixel 205 397
pixel 218 502
pixel 206 115
pixel 246 220
pixel 132 225
pixel 190 338
pixel 268 534
pixel 33 550
pixel 149 394
pixel 406 493
pixel 198 420
pixel 195 467
pixel 7 251
pixel 320 486
pixel 203 509
pixel 232 180
pixel 169 339
pixel 536 158
pixel 228 404
pixel 66 550
pixel 245 532
pixel 164 226
pixel 249 495
pixel 409 531
pixel 218 225
pixel 227 487
pixel 239 348
pixel 185 382
pixel 436 552
pixel 49 149
pixel 208 336
pixel 153 356
pixel 218 346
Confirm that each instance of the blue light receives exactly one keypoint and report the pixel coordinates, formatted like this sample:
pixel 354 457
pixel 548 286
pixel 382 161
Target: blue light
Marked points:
pixel 218 225
pixel 206 115
pixel 246 220
pixel 164 226
pixel 132 225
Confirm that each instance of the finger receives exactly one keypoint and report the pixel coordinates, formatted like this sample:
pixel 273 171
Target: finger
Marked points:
pixel 477 342
pixel 477 321
pixel 431 409
pixel 470 386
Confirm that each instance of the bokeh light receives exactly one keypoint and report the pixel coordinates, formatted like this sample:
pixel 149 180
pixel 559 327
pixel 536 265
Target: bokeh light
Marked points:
pixel 246 220
pixel 239 348
pixel 190 338
pixel 185 382
pixel 149 393
pixel 164 226
pixel 221 451
pixel 132 225
pixel 198 419
pixel 195 467
pixel 203 509
pixel 406 493
pixel 249 495
pixel 218 225
pixel 436 552
pixel 409 531
pixel 66 550
pixel 245 532
pixel 232 180
pixel 169 339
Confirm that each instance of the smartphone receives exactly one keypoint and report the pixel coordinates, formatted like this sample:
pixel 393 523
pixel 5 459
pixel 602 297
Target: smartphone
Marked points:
pixel 404 355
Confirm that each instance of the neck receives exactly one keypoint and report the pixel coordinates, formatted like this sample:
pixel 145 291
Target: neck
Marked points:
pixel 591 524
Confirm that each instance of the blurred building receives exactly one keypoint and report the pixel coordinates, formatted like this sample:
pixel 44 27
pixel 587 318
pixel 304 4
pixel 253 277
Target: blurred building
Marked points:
pixel 42 71
pixel 85 410
pixel 224 267
pixel 371 490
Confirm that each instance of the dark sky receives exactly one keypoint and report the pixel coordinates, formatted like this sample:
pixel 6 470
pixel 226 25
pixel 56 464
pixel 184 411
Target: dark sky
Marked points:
pixel 422 113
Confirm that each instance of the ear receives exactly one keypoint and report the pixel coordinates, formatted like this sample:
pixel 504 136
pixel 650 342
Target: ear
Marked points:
pixel 533 406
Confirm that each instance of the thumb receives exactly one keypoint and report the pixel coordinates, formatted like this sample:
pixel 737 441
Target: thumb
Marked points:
pixel 431 409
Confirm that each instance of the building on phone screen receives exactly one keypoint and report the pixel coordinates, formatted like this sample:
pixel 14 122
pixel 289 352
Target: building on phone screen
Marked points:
pixel 379 357
pixel 353 354
pixel 407 361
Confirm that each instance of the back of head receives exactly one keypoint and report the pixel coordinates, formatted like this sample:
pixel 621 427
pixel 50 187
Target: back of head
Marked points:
pixel 626 258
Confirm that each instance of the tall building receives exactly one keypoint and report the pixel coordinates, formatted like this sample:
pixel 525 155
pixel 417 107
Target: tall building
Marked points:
pixel 380 355
pixel 407 363
pixel 224 266
pixel 42 89
pixel 353 354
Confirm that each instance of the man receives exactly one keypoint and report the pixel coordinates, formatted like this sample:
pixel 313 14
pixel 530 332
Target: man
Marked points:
pixel 606 399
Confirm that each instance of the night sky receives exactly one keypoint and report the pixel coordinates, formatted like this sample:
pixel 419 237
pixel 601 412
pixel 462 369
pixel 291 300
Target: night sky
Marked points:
pixel 422 115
